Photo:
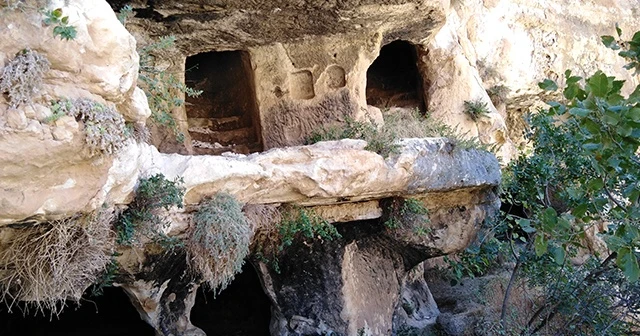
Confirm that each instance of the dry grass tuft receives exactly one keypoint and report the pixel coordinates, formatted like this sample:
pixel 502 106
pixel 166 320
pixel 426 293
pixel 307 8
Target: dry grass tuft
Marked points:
pixel 265 219
pixel 218 241
pixel 48 263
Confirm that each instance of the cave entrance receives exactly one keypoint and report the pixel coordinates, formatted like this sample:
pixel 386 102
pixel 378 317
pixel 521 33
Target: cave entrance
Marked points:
pixel 225 117
pixel 242 309
pixel 393 80
pixel 109 314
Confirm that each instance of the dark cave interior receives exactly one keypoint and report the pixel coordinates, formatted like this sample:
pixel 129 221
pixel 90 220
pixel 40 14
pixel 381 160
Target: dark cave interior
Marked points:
pixel 393 80
pixel 226 112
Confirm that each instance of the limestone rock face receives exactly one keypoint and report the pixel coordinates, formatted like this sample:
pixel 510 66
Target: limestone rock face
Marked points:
pixel 46 168
pixel 163 292
pixel 317 68
pixel 519 43
pixel 307 61
pixel 358 284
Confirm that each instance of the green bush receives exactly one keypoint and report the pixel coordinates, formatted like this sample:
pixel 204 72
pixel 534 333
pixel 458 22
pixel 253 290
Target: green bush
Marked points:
pixel 161 87
pixel 104 127
pixel 476 260
pixel 583 169
pixel 294 224
pixel 218 241
pixel 476 109
pixel 306 225
pixel 107 278
pixel 22 77
pixel 143 217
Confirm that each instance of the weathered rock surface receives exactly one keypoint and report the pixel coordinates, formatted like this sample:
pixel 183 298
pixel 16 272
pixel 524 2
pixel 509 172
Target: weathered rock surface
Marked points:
pixel 519 43
pixel 307 175
pixel 314 69
pixel 355 284
pixel 42 160
pixel 306 65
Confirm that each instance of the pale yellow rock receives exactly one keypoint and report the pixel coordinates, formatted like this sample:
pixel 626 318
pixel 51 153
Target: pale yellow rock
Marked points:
pixel 101 60
pixel 137 109
pixel 16 119
pixel 65 128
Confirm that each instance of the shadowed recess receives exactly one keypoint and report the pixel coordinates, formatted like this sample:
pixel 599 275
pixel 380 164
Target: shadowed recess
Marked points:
pixel 225 117
pixel 110 314
pixel 393 80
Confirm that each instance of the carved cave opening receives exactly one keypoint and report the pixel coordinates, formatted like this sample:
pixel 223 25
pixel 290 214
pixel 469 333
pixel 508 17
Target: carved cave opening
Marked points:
pixel 242 309
pixel 225 117
pixel 109 314
pixel 393 79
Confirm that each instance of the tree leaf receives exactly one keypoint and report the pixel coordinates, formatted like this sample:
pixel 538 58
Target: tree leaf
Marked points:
pixel 628 262
pixel 636 37
pixel 558 254
pixel 634 97
pixel 580 112
pixel 618 30
pixel 610 42
pixel 599 84
pixel 540 245
pixel 548 85
pixel 614 243
pixel 611 118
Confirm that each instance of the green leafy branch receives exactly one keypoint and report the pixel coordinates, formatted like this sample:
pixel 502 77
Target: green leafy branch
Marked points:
pixel 61 24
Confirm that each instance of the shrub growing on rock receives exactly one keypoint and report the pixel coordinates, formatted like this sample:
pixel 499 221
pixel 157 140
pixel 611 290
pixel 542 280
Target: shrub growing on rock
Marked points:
pixel 143 217
pixel 475 109
pixel 22 77
pixel 104 127
pixel 218 241
pixel 279 228
pixel 407 213
pixel 161 87
pixel 48 263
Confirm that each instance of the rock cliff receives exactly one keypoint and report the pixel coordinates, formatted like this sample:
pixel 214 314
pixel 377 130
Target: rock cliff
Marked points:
pixel 72 149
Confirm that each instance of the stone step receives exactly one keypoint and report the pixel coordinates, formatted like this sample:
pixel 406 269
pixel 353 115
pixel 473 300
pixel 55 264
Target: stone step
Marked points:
pixel 203 148
pixel 225 138
pixel 218 124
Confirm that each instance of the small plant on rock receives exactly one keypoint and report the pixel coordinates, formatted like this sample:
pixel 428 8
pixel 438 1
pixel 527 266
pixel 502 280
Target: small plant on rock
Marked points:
pixel 143 218
pixel 295 224
pixel 475 109
pixel 108 276
pixel 104 127
pixel 22 77
pixel 378 140
pixel 407 212
pixel 218 240
pixel 305 224
pixel 398 124
pixel 124 14
pixel 498 94
pixel 61 24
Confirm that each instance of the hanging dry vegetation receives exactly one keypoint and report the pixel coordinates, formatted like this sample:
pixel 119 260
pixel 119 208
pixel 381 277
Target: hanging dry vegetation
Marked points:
pixel 218 241
pixel 46 264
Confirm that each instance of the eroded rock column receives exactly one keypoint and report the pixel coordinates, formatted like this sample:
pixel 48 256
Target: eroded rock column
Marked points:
pixel 354 285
